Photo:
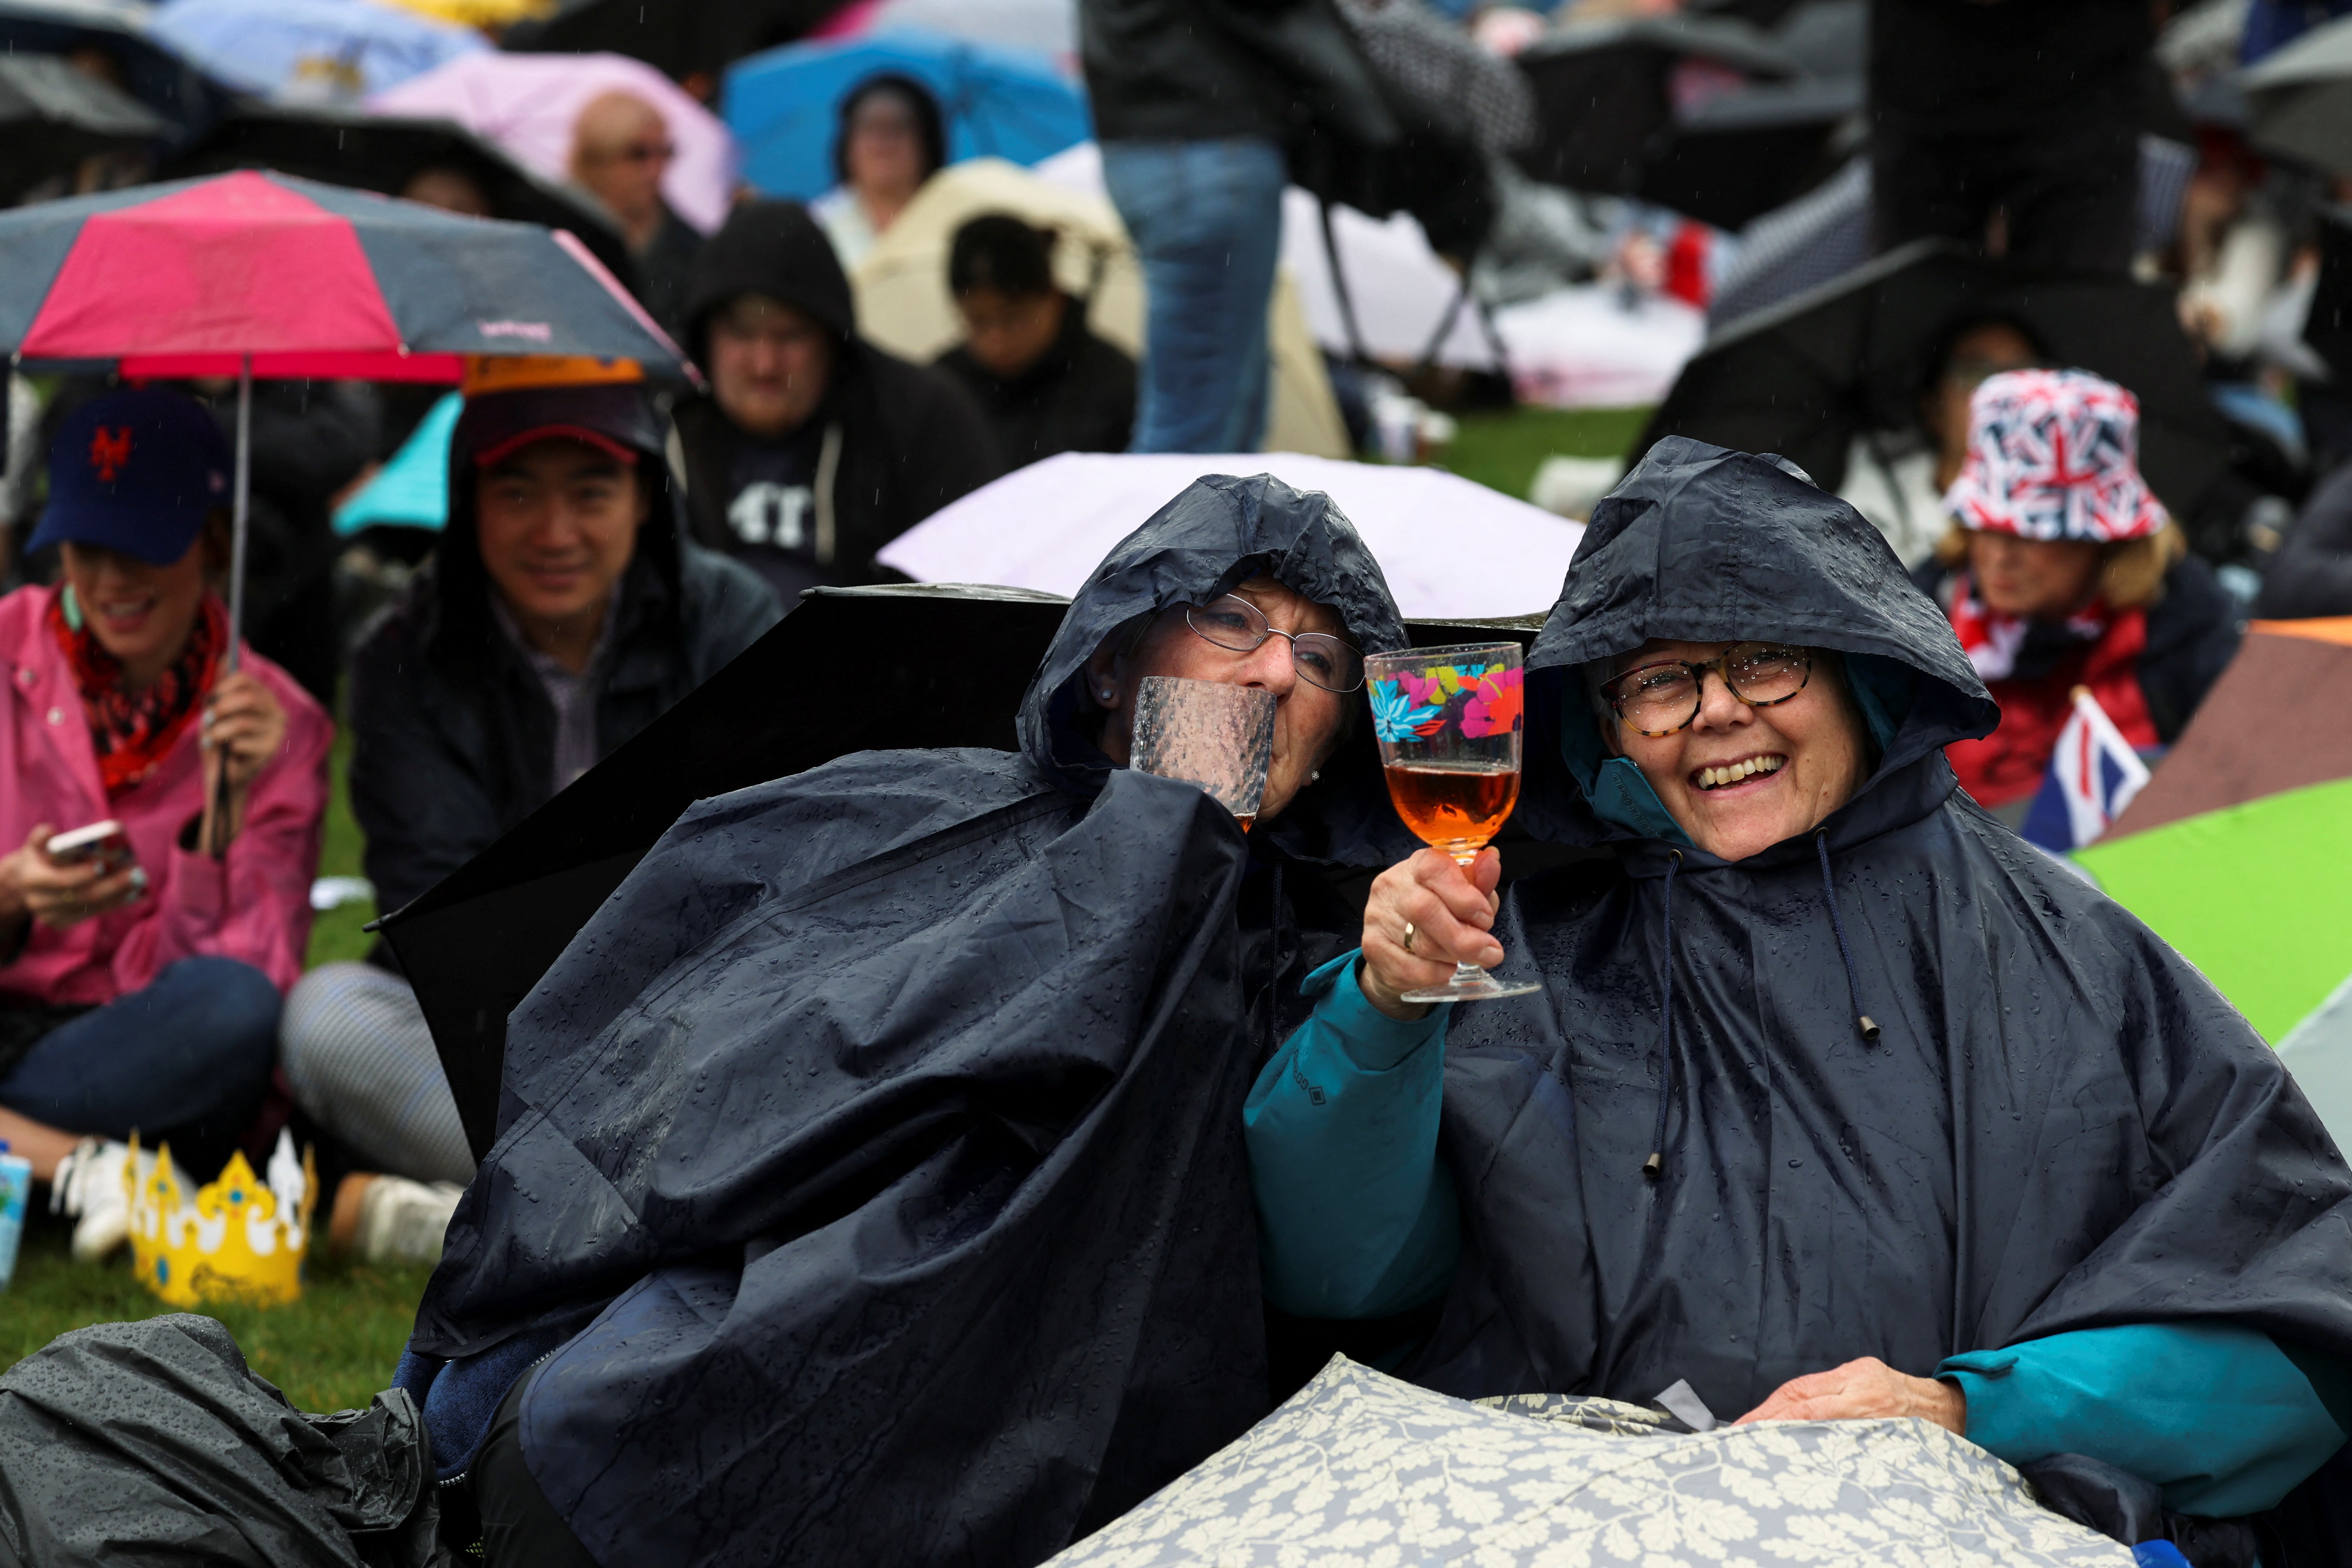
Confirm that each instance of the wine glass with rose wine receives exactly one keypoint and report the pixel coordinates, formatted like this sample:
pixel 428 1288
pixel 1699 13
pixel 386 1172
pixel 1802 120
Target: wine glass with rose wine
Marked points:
pixel 1448 720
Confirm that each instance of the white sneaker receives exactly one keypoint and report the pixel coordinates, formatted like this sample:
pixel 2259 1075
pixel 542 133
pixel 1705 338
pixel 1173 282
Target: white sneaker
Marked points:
pixel 89 1185
pixel 403 1221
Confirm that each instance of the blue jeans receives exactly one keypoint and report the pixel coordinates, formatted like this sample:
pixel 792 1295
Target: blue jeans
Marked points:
pixel 1206 218
pixel 187 1058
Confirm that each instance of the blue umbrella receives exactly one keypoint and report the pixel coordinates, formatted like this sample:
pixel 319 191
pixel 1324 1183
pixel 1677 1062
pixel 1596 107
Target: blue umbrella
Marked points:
pixel 784 106
pixel 311 51
pixel 413 489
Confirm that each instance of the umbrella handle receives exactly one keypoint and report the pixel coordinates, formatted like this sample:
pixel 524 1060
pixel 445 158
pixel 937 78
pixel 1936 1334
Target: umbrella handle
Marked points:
pixel 240 521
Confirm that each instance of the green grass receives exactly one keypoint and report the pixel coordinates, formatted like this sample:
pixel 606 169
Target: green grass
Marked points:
pixel 1503 449
pixel 337 934
pixel 331 1350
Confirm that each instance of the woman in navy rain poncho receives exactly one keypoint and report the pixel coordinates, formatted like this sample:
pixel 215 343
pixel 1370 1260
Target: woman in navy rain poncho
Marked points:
pixel 869 1183
pixel 1840 1099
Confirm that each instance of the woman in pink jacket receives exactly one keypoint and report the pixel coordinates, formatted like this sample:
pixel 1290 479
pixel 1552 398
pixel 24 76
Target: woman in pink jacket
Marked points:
pixel 140 983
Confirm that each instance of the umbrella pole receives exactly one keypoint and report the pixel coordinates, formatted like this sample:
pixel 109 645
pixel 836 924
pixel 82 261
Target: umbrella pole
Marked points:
pixel 240 518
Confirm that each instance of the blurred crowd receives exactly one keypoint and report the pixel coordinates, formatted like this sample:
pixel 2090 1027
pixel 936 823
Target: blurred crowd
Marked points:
pixel 906 262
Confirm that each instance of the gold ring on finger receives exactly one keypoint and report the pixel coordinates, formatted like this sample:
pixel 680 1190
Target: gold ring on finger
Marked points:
pixel 1408 936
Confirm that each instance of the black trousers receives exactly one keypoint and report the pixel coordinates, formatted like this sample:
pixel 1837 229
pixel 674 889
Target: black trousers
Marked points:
pixel 2071 194
pixel 520 1528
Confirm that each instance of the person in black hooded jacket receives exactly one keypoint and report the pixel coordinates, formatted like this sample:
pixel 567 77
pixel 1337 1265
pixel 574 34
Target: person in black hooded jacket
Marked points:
pixel 869 1186
pixel 812 448
pixel 469 709
pixel 1840 1099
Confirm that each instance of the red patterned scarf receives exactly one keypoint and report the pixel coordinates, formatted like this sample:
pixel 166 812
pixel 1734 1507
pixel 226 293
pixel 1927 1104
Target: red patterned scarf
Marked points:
pixel 133 731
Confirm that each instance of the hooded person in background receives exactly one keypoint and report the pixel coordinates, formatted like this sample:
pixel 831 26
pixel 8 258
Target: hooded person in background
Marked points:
pixel 2061 569
pixel 620 148
pixel 958 1265
pixel 561 615
pixel 1839 1100
pixel 812 448
pixel 1046 381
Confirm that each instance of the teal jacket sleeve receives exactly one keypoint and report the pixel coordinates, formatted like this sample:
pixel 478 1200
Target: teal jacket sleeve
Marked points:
pixel 2215 1413
pixel 1356 1213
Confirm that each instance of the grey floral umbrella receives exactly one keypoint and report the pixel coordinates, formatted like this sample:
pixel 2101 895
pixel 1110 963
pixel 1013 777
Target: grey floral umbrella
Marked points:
pixel 1358 1469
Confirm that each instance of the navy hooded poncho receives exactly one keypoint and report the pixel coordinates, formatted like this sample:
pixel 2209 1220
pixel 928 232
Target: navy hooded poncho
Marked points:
pixel 2058 1124
pixel 871 1164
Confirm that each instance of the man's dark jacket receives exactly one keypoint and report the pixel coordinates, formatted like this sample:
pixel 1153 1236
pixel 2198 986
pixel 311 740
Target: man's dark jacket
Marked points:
pixel 1197 71
pixel 911 440
pixel 887 1123
pixel 1078 397
pixel 453 736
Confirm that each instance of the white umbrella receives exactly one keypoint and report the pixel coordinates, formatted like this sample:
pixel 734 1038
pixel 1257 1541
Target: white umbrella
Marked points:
pixel 1451 548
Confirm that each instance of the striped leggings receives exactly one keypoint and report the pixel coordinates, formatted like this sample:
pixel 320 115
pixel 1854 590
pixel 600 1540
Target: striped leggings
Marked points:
pixel 355 1047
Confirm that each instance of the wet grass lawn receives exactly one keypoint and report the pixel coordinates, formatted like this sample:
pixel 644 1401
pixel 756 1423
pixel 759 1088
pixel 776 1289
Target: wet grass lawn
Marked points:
pixel 336 1347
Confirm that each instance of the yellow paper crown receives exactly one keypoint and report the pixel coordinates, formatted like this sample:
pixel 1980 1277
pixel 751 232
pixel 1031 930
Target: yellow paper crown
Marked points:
pixel 241 1241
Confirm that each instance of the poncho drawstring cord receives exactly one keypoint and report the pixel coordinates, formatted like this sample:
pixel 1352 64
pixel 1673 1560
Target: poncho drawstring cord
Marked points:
pixel 1655 1166
pixel 1861 1019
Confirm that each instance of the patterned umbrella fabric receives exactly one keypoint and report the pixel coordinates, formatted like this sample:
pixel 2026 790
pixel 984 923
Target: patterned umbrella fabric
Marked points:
pixel 1358 1467
pixel 528 104
pixel 308 51
pixel 303 279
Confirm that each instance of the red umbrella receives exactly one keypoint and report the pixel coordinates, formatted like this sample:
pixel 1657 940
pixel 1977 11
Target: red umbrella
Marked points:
pixel 247 274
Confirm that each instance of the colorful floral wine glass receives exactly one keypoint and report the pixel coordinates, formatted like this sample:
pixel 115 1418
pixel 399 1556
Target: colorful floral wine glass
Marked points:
pixel 1205 732
pixel 1448 720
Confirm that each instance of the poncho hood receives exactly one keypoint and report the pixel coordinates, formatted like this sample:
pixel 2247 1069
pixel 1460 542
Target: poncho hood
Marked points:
pixel 1703 544
pixel 1218 533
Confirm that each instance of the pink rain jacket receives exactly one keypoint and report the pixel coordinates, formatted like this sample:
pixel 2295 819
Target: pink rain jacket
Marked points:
pixel 253 904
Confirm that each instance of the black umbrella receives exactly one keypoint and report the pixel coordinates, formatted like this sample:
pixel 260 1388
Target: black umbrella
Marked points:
pixel 112 35
pixel 2299 100
pixel 683 37
pixel 52 116
pixel 349 147
pixel 940 664
pixel 1737 157
pixel 1804 377
pixel 1604 99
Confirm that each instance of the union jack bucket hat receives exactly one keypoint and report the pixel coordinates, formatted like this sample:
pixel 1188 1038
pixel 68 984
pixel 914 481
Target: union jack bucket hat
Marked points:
pixel 2054 454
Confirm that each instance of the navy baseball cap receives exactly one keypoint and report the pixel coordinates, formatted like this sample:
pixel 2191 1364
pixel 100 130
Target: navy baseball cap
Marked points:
pixel 135 472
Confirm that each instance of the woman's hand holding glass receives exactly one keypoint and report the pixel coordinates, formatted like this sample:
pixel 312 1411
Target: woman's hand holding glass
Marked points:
pixel 1445 910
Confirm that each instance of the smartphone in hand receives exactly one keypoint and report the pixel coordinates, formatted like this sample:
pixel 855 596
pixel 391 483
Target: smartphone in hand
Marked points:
pixel 103 842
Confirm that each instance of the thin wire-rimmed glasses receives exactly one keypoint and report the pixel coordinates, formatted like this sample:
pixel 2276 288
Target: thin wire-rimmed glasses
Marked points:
pixel 1648 697
pixel 1321 659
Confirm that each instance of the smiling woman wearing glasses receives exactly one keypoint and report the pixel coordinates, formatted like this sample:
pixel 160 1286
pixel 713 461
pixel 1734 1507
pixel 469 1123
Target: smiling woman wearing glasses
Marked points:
pixel 1839 1101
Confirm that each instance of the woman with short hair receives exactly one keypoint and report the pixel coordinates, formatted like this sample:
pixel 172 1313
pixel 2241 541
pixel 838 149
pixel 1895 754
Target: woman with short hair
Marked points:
pixel 1839 1100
